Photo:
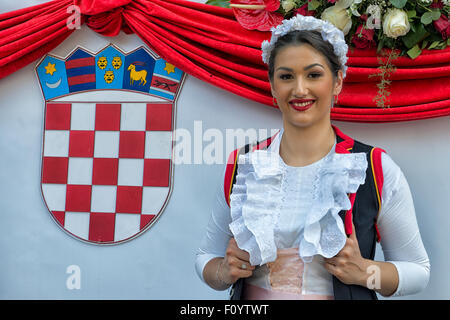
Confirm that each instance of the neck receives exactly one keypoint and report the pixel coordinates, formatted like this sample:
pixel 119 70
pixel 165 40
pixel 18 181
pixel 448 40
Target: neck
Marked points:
pixel 302 146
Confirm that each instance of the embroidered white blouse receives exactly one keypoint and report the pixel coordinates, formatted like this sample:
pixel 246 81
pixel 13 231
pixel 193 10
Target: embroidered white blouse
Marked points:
pixel 275 206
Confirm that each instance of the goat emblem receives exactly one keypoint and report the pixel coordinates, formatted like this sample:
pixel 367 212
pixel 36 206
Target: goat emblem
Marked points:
pixel 137 75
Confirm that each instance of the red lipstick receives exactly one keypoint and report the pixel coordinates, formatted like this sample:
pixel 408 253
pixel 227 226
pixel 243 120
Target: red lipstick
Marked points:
pixel 305 104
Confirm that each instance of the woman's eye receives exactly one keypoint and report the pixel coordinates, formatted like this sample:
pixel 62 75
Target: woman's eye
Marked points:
pixel 285 76
pixel 315 75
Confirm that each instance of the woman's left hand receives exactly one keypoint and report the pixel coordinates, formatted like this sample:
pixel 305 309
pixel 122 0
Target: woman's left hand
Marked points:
pixel 348 265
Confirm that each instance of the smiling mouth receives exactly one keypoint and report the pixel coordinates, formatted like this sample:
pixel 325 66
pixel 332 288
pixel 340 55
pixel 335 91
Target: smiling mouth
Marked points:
pixel 301 106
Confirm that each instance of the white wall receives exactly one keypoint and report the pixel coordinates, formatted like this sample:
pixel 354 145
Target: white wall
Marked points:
pixel 159 264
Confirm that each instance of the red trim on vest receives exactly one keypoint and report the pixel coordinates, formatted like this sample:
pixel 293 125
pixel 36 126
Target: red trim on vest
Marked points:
pixel 378 169
pixel 265 143
pixel 229 173
pixel 346 143
pixel 343 147
pixel 378 232
pixel 348 215
pixel 379 180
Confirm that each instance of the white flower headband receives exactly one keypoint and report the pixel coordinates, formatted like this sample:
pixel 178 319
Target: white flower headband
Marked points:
pixel 328 31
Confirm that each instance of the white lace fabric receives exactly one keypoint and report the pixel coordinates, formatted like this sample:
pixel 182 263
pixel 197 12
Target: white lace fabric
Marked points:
pixel 327 30
pixel 267 188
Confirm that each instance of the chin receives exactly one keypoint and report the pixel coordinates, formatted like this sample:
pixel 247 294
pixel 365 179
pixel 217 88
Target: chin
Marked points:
pixel 306 120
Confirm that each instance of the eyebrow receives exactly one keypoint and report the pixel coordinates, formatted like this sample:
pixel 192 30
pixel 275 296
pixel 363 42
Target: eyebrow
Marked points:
pixel 305 68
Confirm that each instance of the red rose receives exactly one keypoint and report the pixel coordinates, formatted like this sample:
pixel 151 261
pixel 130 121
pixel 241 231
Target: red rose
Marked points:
pixel 437 4
pixel 303 10
pixel 331 1
pixel 443 26
pixel 363 38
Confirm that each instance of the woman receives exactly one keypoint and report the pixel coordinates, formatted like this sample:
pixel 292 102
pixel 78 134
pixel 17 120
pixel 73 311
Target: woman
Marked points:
pixel 285 232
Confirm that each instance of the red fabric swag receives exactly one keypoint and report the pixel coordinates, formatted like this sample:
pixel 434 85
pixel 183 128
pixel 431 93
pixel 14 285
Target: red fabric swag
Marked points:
pixel 207 42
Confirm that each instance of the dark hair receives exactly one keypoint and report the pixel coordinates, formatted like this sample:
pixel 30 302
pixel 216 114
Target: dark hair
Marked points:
pixel 312 38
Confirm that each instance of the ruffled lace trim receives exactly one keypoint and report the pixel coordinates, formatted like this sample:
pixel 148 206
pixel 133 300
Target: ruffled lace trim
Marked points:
pixel 257 199
pixel 255 205
pixel 338 175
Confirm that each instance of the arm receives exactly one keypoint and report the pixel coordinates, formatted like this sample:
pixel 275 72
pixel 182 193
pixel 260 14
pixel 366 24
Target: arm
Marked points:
pixel 219 260
pixel 407 269
pixel 400 236
pixel 220 273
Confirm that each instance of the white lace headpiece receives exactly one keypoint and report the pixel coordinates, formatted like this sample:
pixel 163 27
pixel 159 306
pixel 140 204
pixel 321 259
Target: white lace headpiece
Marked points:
pixel 328 31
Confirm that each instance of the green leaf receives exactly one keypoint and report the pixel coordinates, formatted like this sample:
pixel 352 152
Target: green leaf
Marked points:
pixel 426 18
pixel 313 5
pixel 435 14
pixel 219 3
pixel 381 44
pixel 424 44
pixel 398 3
pixel 411 14
pixel 414 52
pixel 413 38
pixel 448 41
pixel 434 44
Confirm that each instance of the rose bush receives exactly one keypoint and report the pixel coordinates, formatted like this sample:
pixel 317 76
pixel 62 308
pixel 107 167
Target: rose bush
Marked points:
pixel 408 25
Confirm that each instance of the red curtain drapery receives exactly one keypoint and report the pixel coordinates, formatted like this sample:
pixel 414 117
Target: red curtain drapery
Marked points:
pixel 207 42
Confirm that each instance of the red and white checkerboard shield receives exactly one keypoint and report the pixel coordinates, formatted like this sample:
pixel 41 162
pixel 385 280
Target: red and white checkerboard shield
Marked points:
pixel 107 167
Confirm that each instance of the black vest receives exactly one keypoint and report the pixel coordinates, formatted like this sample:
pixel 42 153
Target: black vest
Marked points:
pixel 365 212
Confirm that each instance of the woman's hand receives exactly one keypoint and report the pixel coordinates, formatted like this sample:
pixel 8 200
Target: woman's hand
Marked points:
pixel 351 268
pixel 235 264
pixel 348 265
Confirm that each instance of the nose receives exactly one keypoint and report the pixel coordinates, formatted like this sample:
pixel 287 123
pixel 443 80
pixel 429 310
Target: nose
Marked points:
pixel 300 88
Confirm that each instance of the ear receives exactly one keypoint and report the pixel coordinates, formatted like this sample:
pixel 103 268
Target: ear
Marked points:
pixel 338 83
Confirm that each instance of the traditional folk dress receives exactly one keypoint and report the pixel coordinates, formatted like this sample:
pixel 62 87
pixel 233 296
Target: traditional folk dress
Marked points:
pixel 290 218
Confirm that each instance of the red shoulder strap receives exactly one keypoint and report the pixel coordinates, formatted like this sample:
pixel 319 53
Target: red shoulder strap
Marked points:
pixel 230 170
pixel 229 173
pixel 377 172
pixel 344 146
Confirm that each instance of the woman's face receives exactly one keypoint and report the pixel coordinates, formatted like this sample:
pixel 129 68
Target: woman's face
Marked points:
pixel 303 85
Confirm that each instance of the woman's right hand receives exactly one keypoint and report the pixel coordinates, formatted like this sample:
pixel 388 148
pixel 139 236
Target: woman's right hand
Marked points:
pixel 235 264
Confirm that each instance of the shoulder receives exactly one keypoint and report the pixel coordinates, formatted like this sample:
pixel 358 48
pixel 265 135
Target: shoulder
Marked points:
pixel 385 170
pixel 393 177
pixel 391 170
pixel 229 176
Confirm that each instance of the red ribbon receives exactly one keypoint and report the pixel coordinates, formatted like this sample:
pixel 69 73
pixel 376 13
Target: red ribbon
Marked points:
pixel 104 16
pixel 94 7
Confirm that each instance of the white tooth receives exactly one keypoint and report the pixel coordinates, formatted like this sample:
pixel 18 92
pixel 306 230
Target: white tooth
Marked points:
pixel 302 104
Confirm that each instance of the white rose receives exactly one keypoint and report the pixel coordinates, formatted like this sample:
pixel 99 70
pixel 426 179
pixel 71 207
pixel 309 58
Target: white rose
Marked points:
pixel 396 23
pixel 339 17
pixel 288 5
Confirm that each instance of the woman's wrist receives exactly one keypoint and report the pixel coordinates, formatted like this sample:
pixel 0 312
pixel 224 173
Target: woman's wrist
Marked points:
pixel 221 283
pixel 379 276
pixel 365 267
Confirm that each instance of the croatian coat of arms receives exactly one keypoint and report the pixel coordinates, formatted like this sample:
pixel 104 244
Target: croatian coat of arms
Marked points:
pixel 107 164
